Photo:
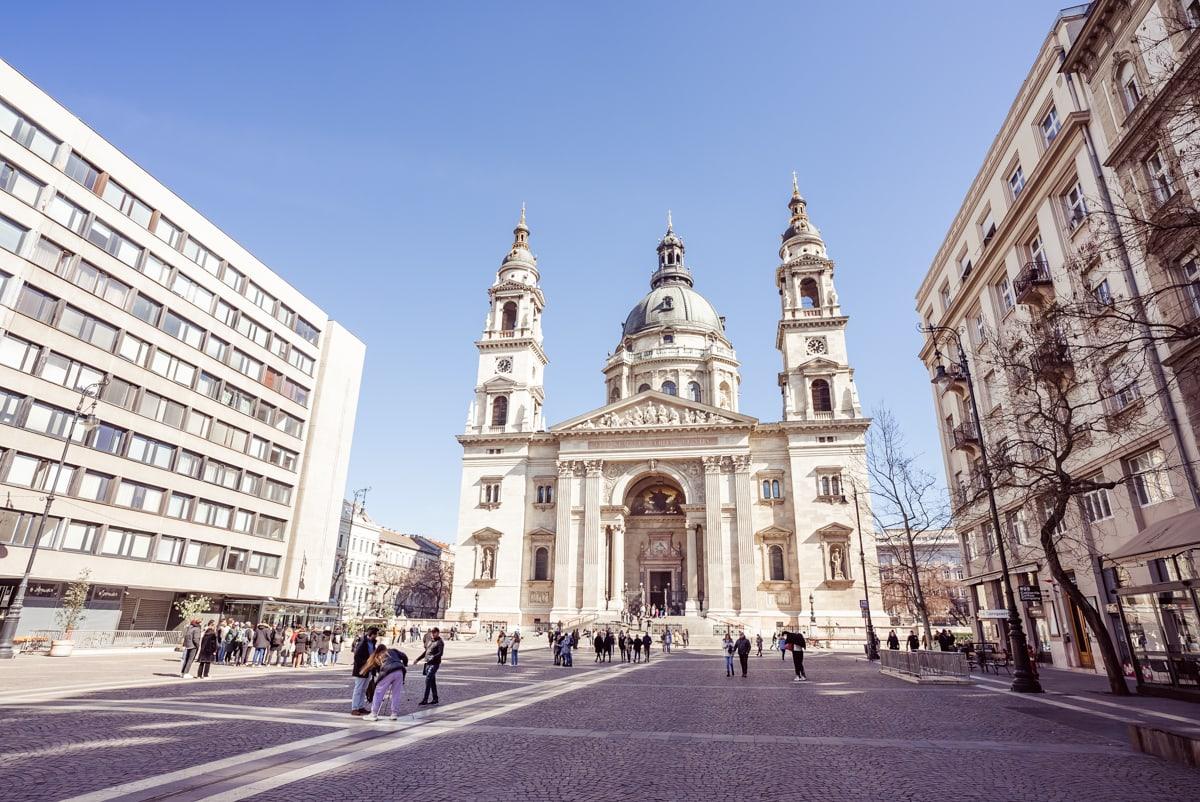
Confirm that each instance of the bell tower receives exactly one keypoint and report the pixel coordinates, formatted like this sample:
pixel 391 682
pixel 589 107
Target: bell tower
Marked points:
pixel 817 382
pixel 508 388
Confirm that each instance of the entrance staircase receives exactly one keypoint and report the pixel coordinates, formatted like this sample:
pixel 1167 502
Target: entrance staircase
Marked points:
pixel 704 632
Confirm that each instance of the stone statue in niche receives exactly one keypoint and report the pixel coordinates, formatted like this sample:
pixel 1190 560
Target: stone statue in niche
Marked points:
pixel 837 570
pixel 489 564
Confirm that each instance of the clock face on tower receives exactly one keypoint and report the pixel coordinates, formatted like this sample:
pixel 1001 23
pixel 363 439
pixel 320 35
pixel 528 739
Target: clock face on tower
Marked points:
pixel 504 365
pixel 816 345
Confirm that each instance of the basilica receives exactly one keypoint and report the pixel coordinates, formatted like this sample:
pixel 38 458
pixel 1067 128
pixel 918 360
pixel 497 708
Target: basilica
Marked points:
pixel 668 497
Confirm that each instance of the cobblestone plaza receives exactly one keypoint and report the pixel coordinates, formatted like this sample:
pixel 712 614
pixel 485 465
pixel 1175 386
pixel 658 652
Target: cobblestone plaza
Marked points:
pixel 125 727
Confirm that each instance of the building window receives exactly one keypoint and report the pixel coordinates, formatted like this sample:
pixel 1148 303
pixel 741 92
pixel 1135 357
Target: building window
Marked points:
pixel 987 228
pixel 1190 270
pixel 126 543
pixel 151 452
pixel 821 399
pixel 545 494
pixel 1151 483
pixel 668 339
pixel 491 492
pixel 643 388
pixel 139 497
pixel 263 564
pixel 82 171
pixel 20 528
pixel 829 485
pixel 218 473
pixel 1004 295
pixel 80 536
pixel 1075 206
pixel 669 388
pixel 108 240
pixel 1095 504
pixel 541 564
pixel 1102 293
pixel 508 317
pixel 180 506
pixel 1016 182
pixel 810 296
pixel 127 203
pixel 500 410
pixel 27 133
pixel 694 391
pixel 269 527
pixel 1049 126
pixel 19 184
pixel 1018 532
pixel 35 303
pixel 1037 250
pixel 1131 90
pixel 775 558
pixel 1159 178
pixel 146 310
pixel 203 555
pixel 1192 11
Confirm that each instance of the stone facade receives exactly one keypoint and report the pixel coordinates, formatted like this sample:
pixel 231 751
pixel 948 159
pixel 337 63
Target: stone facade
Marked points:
pixel 668 495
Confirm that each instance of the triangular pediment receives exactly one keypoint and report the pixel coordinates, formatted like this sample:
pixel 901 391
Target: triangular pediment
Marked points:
pixel 499 383
pixel 487 535
pixel 651 409
pixel 835 531
pixel 821 362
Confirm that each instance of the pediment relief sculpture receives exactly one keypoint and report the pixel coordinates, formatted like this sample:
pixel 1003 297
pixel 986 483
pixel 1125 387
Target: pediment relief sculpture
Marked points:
pixel 651 413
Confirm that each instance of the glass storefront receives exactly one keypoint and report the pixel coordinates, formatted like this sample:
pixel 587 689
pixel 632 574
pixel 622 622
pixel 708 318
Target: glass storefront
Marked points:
pixel 1162 623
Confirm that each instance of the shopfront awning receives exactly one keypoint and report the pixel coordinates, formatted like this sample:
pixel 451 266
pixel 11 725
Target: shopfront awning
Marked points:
pixel 1168 536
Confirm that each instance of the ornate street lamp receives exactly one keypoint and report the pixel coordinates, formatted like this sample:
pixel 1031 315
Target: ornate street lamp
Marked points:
pixel 89 397
pixel 812 610
pixel 872 641
pixel 1024 680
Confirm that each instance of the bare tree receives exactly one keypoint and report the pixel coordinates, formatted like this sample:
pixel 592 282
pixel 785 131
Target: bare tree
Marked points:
pixel 908 503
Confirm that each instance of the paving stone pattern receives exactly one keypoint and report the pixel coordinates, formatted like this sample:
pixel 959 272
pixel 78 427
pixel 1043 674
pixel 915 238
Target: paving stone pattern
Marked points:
pixel 676 729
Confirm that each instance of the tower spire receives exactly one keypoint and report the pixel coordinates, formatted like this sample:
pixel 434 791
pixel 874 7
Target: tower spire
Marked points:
pixel 670 227
pixel 519 254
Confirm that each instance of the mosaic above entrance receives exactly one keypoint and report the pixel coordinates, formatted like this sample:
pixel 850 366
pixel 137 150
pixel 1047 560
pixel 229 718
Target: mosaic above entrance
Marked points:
pixel 656 500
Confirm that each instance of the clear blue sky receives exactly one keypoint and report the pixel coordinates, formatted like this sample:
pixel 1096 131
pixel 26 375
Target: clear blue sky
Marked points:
pixel 377 159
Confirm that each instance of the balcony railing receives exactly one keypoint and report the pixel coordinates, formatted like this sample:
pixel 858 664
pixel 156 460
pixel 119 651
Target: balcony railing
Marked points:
pixel 1033 284
pixel 1052 357
pixel 965 436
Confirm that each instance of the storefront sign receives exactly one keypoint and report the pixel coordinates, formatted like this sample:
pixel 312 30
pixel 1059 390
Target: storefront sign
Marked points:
pixel 1029 593
pixel 992 614
pixel 106 597
pixel 42 590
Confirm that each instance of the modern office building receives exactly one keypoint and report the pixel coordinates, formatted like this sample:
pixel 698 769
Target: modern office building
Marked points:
pixel 217 457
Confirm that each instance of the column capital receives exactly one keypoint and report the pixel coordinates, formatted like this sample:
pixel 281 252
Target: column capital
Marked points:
pixel 593 467
pixel 712 464
pixel 566 468
pixel 741 463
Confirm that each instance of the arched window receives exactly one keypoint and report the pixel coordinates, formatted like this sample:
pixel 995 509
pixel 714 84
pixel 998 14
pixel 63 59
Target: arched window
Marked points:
pixel 643 388
pixel 775 555
pixel 615 395
pixel 810 296
pixel 541 494
pixel 500 410
pixel 774 488
pixel 508 316
pixel 766 488
pixel 1131 91
pixel 820 396
pixel 669 388
pixel 541 564
pixel 694 391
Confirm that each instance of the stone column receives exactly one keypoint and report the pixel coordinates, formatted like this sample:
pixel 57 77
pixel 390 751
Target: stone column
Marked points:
pixel 564 546
pixel 690 534
pixel 715 553
pixel 593 543
pixel 743 499
pixel 618 567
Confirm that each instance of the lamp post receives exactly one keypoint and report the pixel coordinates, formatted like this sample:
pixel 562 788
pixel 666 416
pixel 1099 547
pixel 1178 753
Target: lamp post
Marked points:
pixel 1024 680
pixel 812 610
pixel 872 641
pixel 89 397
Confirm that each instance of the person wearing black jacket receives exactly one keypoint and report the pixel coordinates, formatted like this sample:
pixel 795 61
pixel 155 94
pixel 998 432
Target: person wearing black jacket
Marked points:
pixel 795 644
pixel 742 647
pixel 363 652
pixel 433 661
pixel 647 642
pixel 208 652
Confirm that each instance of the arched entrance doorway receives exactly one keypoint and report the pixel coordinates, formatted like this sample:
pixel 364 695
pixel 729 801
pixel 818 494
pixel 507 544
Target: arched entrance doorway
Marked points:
pixel 655 538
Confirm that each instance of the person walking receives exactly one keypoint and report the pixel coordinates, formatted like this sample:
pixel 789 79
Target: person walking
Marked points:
pixel 668 639
pixel 647 642
pixel 335 645
pixel 285 648
pixel 501 649
pixel 323 647
pixel 758 641
pixel 637 648
pixel 564 649
pixel 363 653
pixel 782 645
pixel 262 642
pixel 514 646
pixel 222 631
pixel 390 666
pixel 913 642
pixel 191 645
pixel 623 644
pixel 727 648
pixel 433 661
pixel 893 641
pixel 796 644
pixel 276 644
pixel 608 645
pixel 208 651
pixel 598 647
pixel 299 646
pixel 743 652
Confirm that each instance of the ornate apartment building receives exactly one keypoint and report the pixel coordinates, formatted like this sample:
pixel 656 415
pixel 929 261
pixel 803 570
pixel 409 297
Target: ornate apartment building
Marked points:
pixel 668 496
pixel 216 458
pixel 1056 286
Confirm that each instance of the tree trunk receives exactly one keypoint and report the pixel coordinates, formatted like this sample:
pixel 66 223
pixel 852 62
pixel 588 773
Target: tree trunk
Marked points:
pixel 922 609
pixel 1108 650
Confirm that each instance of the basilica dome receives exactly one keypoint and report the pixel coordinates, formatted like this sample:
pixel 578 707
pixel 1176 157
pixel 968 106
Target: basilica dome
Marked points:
pixel 673 303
